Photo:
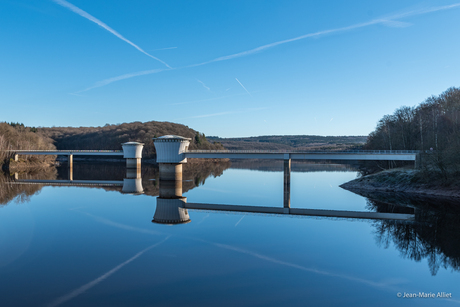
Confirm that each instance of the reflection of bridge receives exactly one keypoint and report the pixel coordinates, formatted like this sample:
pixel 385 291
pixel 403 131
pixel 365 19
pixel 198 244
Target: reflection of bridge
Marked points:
pixel 70 182
pixel 132 152
pixel 131 184
pixel 300 211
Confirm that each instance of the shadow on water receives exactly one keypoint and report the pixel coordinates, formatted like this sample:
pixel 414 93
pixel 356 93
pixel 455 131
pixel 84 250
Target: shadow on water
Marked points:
pixel 434 235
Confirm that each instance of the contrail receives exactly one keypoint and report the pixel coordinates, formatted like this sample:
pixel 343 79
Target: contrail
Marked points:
pixel 243 87
pixel 93 283
pixel 122 77
pixel 204 85
pixel 303 268
pixel 239 220
pixel 167 48
pixel 84 14
pixel 387 21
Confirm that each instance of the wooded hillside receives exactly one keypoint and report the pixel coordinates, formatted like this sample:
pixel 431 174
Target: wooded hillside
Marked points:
pixel 17 136
pixel 432 127
pixel 292 142
pixel 112 136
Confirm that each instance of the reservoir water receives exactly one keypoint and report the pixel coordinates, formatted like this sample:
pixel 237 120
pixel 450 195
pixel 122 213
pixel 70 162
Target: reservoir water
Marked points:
pixel 93 245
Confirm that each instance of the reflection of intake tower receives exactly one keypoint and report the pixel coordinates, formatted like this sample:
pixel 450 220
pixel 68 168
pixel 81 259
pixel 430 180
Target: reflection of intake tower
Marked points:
pixel 170 156
pixel 132 184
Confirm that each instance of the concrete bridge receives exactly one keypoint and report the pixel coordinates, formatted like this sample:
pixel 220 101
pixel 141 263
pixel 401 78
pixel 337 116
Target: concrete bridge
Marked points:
pixel 132 152
pixel 375 155
pixel 172 152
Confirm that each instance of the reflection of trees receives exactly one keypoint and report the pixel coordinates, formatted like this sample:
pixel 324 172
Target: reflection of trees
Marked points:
pixel 434 235
pixel 22 192
pixel 195 172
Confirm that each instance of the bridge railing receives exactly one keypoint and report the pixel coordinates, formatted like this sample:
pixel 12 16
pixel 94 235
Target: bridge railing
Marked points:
pixel 309 152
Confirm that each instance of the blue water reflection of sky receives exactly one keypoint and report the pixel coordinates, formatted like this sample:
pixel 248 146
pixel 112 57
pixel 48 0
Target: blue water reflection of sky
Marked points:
pixel 73 246
pixel 315 190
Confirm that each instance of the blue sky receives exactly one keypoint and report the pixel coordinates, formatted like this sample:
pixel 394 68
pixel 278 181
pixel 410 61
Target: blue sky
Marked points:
pixel 226 68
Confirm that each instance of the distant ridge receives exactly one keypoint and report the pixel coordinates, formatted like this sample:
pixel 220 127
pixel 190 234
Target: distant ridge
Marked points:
pixel 292 142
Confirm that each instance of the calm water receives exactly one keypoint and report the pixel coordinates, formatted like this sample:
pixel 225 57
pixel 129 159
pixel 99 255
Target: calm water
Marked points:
pixel 96 246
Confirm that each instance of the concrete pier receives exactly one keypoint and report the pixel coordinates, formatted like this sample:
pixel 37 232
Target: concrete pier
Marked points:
pixel 70 166
pixel 287 182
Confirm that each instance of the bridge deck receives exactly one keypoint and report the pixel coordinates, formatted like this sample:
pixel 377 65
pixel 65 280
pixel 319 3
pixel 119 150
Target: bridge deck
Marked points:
pixel 395 155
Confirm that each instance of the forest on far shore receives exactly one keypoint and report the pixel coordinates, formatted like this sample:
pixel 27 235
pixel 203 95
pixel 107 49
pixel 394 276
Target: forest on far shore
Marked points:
pixel 108 137
pixel 112 136
pixel 292 142
pixel 432 127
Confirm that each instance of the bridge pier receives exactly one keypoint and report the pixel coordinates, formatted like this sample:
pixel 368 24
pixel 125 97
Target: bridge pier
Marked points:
pixel 287 183
pixel 70 165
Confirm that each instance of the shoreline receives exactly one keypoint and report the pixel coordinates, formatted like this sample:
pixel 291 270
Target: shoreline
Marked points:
pixel 402 181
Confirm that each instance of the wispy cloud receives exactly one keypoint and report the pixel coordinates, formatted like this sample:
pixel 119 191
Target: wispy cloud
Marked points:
pixel 101 278
pixel 390 20
pixel 243 86
pixel 167 48
pixel 84 14
pixel 122 77
pixel 204 85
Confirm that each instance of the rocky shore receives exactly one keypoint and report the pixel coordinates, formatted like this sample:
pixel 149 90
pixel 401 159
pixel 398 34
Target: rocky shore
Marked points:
pixel 406 181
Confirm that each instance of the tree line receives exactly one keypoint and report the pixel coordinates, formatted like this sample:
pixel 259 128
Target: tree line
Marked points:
pixel 18 136
pixel 110 137
pixel 433 127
